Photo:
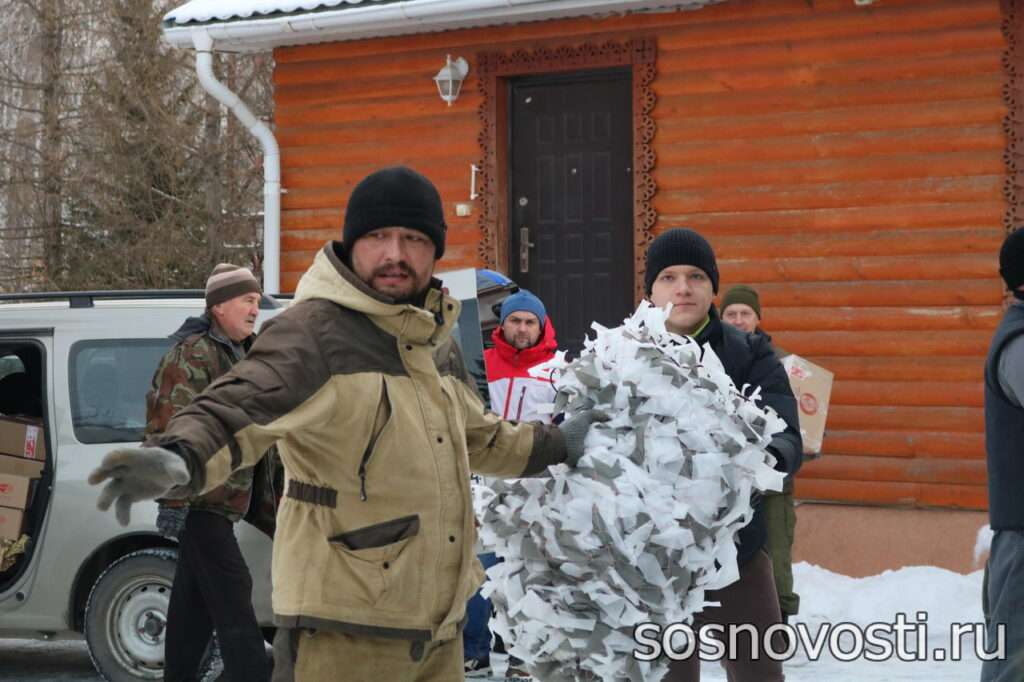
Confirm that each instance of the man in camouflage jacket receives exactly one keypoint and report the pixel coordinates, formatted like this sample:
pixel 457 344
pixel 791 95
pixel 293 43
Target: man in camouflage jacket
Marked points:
pixel 212 585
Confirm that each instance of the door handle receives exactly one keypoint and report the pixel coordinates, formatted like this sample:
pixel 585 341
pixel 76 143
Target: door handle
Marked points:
pixel 524 249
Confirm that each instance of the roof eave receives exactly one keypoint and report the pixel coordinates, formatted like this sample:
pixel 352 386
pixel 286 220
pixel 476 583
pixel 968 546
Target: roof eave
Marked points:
pixel 394 19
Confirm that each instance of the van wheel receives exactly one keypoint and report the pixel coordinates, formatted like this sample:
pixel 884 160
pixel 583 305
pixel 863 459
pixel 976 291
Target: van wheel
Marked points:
pixel 126 616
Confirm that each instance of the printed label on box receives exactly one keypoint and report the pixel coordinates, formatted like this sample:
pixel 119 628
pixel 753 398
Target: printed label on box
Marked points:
pixel 31 437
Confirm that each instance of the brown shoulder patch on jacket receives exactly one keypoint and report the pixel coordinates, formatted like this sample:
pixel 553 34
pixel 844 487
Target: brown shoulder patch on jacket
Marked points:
pixel 351 342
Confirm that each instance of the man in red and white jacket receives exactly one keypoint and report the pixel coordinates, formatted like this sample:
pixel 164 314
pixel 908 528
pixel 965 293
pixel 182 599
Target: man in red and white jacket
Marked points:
pixel 524 339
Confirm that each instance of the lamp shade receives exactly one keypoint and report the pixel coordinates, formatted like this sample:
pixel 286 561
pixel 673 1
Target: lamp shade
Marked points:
pixel 449 79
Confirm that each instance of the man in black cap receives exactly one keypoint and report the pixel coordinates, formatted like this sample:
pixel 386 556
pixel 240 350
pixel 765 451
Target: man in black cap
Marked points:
pixel 1004 446
pixel 363 390
pixel 682 270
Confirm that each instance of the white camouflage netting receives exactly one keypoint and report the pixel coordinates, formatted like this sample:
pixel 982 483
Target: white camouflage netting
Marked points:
pixel 645 523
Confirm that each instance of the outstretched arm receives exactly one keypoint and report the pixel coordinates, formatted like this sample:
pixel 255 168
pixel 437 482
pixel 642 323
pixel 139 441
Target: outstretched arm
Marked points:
pixel 282 385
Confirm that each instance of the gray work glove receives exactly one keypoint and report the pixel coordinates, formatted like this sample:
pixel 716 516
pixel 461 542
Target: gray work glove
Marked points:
pixel 170 521
pixel 574 430
pixel 137 474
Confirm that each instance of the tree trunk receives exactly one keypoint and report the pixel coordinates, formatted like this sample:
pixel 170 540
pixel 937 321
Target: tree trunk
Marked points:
pixel 50 180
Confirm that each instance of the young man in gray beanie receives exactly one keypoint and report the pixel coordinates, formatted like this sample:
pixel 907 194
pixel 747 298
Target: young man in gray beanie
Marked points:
pixel 1004 446
pixel 361 387
pixel 682 270
pixel 212 586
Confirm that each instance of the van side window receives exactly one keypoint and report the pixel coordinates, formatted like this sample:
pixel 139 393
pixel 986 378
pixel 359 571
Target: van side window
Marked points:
pixel 109 381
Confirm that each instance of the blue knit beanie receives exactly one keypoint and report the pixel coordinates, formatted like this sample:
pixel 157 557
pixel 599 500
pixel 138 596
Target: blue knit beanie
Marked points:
pixel 523 300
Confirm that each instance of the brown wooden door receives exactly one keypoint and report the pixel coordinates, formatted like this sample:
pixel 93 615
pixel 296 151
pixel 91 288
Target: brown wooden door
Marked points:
pixel 571 197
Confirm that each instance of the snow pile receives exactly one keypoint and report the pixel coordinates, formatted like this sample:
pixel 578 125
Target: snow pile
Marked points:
pixel 645 523
pixel 945 596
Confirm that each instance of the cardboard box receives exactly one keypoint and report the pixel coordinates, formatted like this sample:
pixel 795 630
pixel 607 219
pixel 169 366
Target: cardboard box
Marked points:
pixel 18 466
pixel 14 491
pixel 812 386
pixel 11 521
pixel 22 438
pixel 16 476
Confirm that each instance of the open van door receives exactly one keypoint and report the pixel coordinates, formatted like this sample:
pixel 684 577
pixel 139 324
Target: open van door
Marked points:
pixel 26 458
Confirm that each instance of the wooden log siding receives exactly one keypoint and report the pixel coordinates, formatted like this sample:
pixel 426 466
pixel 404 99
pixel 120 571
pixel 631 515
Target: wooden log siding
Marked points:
pixel 846 161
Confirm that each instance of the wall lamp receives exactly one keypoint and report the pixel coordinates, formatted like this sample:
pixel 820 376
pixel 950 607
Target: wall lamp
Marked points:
pixel 449 78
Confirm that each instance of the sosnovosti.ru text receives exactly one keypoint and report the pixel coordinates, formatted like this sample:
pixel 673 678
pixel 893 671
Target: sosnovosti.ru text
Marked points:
pixel 903 639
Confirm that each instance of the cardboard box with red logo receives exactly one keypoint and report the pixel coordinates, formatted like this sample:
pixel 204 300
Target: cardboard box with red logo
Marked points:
pixel 11 521
pixel 16 474
pixel 22 458
pixel 22 438
pixel 812 386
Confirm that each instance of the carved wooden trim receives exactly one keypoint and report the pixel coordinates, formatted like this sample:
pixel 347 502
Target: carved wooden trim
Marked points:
pixel 493 67
pixel 1013 123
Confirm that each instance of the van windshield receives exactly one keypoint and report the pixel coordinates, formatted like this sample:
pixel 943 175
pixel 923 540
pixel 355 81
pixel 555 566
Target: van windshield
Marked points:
pixel 108 384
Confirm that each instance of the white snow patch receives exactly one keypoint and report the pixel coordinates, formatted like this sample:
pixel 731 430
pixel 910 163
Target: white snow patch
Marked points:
pixel 983 543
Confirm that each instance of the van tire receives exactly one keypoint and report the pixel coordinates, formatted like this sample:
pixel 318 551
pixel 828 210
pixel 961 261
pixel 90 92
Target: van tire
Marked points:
pixel 126 616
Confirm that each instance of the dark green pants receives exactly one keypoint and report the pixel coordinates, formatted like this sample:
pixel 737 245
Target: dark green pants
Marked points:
pixel 780 519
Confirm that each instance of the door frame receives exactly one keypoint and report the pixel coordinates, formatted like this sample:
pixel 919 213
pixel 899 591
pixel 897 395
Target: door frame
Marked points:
pixel 495 69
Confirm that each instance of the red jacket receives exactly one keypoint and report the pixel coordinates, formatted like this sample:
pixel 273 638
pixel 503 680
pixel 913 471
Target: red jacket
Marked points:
pixel 514 393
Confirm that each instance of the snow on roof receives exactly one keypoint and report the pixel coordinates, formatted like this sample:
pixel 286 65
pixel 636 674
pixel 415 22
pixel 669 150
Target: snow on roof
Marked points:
pixel 250 25
pixel 202 11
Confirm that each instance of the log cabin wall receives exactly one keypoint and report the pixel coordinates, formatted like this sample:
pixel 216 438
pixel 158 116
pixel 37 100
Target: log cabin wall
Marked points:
pixel 847 161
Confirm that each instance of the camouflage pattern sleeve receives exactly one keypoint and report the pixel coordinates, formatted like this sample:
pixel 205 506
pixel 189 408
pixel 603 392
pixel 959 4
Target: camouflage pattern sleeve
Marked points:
pixel 184 372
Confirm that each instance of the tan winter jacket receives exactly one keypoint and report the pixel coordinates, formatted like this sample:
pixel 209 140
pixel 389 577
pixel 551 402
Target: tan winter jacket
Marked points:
pixel 378 434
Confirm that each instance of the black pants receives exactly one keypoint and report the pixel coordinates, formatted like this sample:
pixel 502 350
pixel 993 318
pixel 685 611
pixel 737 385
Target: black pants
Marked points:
pixel 212 589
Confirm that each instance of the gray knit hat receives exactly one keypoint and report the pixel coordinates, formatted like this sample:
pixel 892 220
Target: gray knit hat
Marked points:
pixel 228 281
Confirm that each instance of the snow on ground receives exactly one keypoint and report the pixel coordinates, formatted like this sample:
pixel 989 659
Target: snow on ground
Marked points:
pixel 826 598
pixel 829 598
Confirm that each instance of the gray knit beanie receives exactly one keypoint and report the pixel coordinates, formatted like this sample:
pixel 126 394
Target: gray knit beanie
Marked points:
pixel 228 281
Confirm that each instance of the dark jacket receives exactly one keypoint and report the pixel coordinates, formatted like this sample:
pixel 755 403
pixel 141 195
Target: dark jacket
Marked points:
pixel 780 353
pixel 750 359
pixel 1004 433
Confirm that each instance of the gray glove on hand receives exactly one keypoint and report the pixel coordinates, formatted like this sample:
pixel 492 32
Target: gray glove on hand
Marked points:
pixel 574 430
pixel 137 474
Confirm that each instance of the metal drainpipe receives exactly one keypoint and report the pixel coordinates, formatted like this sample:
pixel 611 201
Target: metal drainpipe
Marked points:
pixel 271 158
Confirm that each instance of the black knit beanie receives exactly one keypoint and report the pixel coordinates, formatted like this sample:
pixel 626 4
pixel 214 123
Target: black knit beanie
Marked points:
pixel 1011 260
pixel 680 246
pixel 395 197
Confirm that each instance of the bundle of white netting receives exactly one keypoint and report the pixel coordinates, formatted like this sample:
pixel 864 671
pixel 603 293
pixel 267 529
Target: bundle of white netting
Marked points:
pixel 647 520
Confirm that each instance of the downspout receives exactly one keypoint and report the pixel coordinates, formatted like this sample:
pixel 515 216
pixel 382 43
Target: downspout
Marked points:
pixel 271 158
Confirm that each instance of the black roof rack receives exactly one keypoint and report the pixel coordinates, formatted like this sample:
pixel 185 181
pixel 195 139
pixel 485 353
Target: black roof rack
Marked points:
pixel 85 299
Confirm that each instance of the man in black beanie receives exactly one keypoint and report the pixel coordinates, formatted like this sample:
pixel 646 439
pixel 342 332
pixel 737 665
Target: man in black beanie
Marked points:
pixel 363 390
pixel 394 232
pixel 682 270
pixel 1004 446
